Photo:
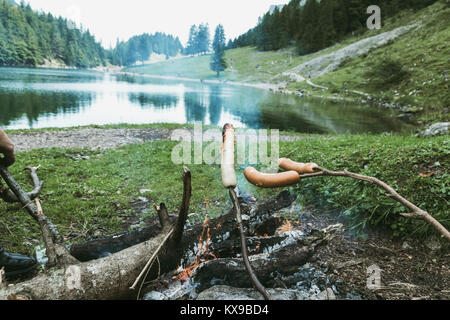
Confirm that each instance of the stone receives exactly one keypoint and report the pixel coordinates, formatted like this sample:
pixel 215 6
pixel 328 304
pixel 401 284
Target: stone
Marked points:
pixel 433 243
pixel 436 129
pixel 154 296
pixel 406 245
pixel 221 292
pixel 327 294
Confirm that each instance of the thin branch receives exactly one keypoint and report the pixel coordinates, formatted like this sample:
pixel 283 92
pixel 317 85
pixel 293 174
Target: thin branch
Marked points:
pixel 8 196
pixel 416 212
pixel 150 261
pixel 250 271
pixel 52 238
pixel 46 234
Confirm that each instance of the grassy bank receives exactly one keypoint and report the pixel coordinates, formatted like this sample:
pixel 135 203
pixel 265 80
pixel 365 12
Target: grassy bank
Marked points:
pixel 406 71
pixel 97 195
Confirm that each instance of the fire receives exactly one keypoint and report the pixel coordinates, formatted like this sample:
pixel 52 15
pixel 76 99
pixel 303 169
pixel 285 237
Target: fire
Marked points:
pixel 286 227
pixel 202 255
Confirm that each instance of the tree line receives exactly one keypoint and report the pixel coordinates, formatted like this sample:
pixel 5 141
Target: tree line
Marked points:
pixel 27 38
pixel 312 25
pixel 199 39
pixel 139 48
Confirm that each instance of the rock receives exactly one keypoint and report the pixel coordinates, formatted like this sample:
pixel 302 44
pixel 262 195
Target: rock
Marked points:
pixel 437 129
pixel 142 191
pixel 230 293
pixel 433 243
pixel 327 294
pixel 406 245
pixel 143 199
pixel 97 234
pixel 154 295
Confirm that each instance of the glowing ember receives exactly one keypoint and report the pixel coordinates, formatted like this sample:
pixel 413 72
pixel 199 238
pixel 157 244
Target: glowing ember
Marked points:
pixel 202 255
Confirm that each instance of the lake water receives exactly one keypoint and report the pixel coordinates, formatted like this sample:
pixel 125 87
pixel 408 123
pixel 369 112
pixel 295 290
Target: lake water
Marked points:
pixel 41 98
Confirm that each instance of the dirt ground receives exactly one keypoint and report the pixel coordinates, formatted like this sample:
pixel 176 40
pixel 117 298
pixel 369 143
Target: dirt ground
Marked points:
pixel 409 269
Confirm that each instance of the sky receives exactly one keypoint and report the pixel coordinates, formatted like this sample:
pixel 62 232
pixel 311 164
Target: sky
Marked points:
pixel 112 19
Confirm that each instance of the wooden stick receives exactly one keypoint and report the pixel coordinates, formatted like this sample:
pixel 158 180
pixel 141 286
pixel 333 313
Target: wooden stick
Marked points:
pixel 150 261
pixel 9 196
pixel 184 208
pixel 250 271
pixel 416 212
pixel 46 234
pixel 27 202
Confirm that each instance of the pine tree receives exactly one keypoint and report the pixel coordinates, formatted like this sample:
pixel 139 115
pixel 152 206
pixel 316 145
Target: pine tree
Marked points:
pixel 218 63
pixel 192 45
pixel 326 32
pixel 203 38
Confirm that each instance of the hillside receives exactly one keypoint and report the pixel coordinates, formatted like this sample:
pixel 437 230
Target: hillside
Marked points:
pixel 407 70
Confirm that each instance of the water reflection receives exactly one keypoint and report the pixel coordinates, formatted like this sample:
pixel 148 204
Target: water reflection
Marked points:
pixel 57 98
pixel 195 107
pixel 215 104
pixel 33 105
pixel 154 100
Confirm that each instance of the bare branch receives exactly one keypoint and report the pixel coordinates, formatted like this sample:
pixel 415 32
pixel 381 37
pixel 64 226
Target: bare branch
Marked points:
pixel 249 268
pixel 417 213
pixel 8 196
pixel 52 238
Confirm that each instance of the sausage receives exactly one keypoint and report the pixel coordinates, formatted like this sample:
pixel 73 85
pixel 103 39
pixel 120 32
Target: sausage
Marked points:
pixel 288 165
pixel 267 180
pixel 228 175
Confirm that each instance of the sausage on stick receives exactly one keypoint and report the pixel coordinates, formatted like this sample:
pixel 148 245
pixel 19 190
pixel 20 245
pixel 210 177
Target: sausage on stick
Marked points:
pixel 266 180
pixel 229 181
pixel 288 165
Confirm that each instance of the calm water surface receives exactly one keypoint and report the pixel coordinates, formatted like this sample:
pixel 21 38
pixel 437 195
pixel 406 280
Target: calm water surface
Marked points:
pixel 41 98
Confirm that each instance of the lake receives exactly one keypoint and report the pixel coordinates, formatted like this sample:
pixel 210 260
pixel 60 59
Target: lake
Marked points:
pixel 42 98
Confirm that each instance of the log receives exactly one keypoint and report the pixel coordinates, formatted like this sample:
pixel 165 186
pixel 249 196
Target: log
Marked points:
pixel 286 260
pixel 102 279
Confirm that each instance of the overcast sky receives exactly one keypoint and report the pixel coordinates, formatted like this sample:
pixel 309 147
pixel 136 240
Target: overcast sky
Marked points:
pixel 112 19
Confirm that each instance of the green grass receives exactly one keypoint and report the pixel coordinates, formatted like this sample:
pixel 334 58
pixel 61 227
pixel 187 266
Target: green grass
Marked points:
pixel 397 160
pixel 85 196
pixel 190 67
pixel 91 195
pixel 109 126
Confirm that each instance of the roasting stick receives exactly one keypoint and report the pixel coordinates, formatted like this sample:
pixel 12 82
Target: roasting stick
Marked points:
pixel 230 182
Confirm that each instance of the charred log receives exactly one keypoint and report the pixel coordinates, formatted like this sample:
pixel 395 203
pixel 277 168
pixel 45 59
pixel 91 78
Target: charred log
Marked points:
pixel 284 260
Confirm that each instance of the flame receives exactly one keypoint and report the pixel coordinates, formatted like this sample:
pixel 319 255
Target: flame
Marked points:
pixel 258 247
pixel 286 227
pixel 202 255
